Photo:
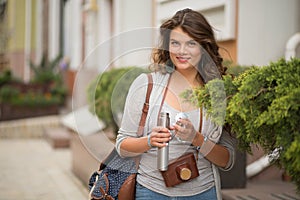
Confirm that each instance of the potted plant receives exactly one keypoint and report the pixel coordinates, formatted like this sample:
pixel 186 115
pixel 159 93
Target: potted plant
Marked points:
pixel 42 96
pixel 48 74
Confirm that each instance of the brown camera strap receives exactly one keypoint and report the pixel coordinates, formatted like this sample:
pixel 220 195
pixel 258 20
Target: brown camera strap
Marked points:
pixel 200 110
pixel 164 97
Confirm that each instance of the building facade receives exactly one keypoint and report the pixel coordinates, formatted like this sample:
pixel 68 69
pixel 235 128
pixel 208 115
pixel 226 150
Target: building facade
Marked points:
pixel 97 34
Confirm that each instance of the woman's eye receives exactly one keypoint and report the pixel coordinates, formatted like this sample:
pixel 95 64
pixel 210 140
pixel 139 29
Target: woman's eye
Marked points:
pixel 192 43
pixel 174 43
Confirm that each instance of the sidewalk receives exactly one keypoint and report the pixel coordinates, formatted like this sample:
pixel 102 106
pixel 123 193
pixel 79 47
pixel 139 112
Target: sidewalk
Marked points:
pixel 30 169
pixel 263 190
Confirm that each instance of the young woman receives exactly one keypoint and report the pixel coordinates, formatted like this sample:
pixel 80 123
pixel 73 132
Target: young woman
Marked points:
pixel 187 57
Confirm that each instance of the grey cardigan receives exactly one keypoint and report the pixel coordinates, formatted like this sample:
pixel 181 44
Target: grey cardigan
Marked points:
pixel 133 110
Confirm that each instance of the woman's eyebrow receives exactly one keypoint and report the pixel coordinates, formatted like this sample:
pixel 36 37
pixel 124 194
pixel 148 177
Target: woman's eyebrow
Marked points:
pixel 191 40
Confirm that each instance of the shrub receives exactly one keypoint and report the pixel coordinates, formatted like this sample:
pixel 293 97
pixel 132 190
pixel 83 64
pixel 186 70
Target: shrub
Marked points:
pixel 46 71
pixel 13 96
pixel 8 93
pixel 107 94
pixel 263 108
pixel 5 77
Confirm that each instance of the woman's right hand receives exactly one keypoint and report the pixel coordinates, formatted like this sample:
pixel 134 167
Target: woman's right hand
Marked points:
pixel 160 136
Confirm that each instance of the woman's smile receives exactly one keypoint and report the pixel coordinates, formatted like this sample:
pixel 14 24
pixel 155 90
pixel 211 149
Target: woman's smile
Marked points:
pixel 183 59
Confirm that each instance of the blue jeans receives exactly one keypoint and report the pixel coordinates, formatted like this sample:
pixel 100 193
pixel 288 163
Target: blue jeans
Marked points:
pixel 143 193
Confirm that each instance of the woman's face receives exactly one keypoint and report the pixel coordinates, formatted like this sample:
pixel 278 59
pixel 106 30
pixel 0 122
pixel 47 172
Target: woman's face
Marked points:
pixel 184 51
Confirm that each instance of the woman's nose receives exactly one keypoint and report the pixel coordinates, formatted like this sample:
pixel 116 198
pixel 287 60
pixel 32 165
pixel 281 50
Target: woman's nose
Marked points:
pixel 182 49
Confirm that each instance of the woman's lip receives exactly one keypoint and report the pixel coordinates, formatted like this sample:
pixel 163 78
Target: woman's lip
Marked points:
pixel 182 59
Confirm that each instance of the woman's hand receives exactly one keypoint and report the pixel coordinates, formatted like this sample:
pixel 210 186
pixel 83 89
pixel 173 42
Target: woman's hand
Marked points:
pixel 160 137
pixel 185 130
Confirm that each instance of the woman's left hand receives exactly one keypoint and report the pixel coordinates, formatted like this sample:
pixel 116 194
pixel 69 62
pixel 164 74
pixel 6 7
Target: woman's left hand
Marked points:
pixel 185 130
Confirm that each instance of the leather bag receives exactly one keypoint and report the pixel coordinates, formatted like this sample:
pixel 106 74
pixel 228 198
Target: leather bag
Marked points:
pixel 114 179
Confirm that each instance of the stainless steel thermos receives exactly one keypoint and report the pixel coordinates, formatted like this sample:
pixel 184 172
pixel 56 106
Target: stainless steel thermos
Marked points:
pixel 163 153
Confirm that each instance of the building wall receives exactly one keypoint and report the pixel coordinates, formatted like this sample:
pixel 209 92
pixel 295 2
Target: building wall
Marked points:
pixel 16 25
pixel 132 36
pixel 73 33
pixel 105 33
pixel 54 29
pixel 260 29
pixel 264 27
pixel 135 14
pixel 19 40
pixel 127 29
pixel 228 48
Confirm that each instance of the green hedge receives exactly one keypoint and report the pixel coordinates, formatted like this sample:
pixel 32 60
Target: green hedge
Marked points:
pixel 262 107
pixel 107 93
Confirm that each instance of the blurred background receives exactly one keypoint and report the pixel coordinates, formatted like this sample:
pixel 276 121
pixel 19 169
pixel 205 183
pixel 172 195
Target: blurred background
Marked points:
pixel 50 50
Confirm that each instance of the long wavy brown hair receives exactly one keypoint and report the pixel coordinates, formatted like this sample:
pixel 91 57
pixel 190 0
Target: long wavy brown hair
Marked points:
pixel 198 28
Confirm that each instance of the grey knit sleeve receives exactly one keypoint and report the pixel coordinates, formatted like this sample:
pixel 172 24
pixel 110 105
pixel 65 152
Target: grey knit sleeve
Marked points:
pixel 132 110
pixel 229 142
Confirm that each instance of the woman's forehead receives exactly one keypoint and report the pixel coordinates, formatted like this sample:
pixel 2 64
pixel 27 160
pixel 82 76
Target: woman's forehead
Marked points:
pixel 178 34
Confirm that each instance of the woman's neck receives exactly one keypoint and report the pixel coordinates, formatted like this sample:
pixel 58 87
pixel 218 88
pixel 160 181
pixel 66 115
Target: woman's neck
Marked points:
pixel 190 75
pixel 178 84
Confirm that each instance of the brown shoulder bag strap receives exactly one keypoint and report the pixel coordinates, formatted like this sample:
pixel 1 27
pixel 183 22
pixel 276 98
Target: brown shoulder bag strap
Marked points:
pixel 145 107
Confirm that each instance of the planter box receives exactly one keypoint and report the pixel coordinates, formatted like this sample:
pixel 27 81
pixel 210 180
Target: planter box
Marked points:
pixel 10 112
pixel 87 153
pixel 32 87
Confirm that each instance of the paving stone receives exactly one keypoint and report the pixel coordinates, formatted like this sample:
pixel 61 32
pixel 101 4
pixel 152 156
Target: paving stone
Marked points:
pixel 31 169
pixel 263 190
